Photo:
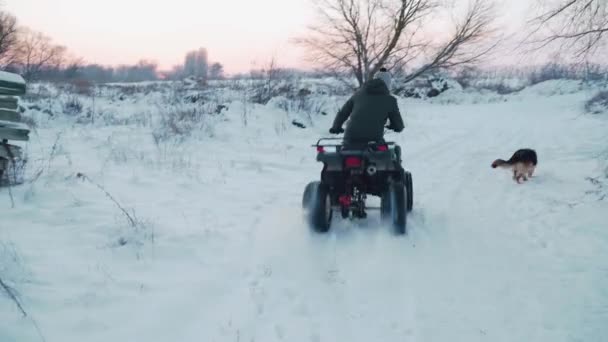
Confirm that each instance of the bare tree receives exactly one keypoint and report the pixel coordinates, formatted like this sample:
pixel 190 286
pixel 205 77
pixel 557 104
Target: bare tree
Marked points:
pixel 269 75
pixel 37 52
pixel 197 64
pixel 216 71
pixel 73 67
pixel 360 37
pixel 578 25
pixel 8 37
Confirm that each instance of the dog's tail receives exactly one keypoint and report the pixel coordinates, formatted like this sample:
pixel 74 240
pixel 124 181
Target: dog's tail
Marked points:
pixel 500 163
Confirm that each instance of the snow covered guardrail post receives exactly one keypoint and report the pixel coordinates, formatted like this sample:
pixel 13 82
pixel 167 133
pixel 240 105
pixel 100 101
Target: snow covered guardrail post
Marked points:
pixel 11 128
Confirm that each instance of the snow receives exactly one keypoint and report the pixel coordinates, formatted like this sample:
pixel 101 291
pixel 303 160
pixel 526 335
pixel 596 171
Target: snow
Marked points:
pixel 11 77
pixel 221 251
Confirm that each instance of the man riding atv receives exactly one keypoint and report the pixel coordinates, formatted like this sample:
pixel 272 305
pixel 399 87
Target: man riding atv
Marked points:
pixel 369 108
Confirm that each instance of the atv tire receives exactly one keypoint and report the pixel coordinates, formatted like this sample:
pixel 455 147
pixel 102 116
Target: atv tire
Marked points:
pixel 3 166
pixel 308 192
pixel 320 210
pixel 393 207
pixel 385 206
pixel 410 191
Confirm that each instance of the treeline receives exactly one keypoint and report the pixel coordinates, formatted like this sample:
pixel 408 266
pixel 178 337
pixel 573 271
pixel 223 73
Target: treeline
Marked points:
pixel 36 57
pixel 534 74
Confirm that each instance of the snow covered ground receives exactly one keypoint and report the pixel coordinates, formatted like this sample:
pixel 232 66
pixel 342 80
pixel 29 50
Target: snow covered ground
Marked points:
pixel 218 249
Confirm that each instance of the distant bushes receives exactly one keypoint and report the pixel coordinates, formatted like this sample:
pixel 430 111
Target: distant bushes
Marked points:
pixel 598 104
pixel 502 88
pixel 181 120
pixel 301 103
pixel 509 80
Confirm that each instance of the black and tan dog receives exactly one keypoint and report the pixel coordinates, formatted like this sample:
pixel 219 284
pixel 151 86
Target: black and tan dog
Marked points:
pixel 522 162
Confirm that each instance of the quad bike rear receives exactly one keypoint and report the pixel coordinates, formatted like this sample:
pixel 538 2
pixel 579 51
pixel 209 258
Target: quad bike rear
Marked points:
pixel 350 174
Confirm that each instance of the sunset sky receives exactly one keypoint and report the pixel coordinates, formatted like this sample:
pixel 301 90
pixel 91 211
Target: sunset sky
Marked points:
pixel 236 33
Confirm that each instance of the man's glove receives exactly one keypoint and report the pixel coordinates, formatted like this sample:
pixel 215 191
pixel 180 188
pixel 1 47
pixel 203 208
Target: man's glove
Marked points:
pixel 334 130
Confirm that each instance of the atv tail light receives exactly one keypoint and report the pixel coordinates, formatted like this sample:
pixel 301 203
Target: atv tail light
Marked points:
pixel 383 148
pixel 352 162
pixel 320 149
pixel 345 200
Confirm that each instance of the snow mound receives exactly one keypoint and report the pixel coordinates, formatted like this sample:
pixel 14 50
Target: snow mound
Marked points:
pixel 11 77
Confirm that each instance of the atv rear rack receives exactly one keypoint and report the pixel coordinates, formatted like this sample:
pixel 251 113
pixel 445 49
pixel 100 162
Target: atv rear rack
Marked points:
pixel 370 143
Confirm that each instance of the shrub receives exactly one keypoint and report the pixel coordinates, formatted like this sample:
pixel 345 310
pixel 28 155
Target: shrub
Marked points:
pixel 72 106
pixel 501 88
pixel 82 87
pixel 302 103
pixel 598 103
pixel 554 71
pixel 181 121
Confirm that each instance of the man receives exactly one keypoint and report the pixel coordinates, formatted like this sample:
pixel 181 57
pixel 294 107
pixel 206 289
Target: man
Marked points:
pixel 369 109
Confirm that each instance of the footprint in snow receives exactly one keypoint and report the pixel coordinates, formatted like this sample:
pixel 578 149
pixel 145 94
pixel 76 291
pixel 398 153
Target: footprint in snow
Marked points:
pixel 278 330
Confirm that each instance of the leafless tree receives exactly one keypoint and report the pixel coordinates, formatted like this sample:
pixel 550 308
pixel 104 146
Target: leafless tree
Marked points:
pixel 577 25
pixel 216 71
pixel 196 64
pixel 8 37
pixel 37 52
pixel 359 37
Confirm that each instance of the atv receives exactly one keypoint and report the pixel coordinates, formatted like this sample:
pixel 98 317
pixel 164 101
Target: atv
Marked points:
pixel 352 172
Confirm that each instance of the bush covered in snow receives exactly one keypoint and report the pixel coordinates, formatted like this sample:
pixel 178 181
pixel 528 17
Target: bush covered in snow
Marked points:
pixel 425 87
pixel 178 122
pixel 72 106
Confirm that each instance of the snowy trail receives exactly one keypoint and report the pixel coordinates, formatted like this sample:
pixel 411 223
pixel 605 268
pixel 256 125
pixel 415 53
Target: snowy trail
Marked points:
pixel 232 260
pixel 465 271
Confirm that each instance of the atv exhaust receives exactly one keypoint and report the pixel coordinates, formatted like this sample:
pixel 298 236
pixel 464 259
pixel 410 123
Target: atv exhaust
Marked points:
pixel 371 170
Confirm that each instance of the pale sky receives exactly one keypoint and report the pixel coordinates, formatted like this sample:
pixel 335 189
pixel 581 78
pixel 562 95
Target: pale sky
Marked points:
pixel 235 32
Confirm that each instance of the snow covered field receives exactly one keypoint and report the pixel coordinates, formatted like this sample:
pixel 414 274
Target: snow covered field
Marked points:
pixel 218 249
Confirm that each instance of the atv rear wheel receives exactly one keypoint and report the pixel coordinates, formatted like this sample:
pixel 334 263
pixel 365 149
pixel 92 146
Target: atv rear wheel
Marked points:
pixel 320 208
pixel 385 205
pixel 410 190
pixel 393 207
pixel 3 166
pixel 308 192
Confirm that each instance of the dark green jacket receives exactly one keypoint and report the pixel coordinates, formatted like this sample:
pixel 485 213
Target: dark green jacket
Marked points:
pixel 369 109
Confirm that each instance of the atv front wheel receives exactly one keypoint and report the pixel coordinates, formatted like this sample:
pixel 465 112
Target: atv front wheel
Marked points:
pixel 320 208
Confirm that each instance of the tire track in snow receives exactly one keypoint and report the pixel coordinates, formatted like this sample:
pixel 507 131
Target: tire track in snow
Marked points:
pixel 318 267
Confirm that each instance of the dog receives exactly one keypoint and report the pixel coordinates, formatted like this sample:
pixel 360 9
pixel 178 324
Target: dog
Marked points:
pixel 523 163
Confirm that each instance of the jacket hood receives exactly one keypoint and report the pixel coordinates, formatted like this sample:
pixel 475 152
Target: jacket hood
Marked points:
pixel 376 87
